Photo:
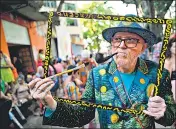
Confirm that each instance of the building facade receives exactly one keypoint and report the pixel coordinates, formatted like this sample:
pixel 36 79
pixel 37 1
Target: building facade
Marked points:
pixel 74 27
pixel 69 34
pixel 22 38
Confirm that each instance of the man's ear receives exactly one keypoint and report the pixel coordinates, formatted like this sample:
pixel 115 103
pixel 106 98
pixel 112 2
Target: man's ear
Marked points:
pixel 144 47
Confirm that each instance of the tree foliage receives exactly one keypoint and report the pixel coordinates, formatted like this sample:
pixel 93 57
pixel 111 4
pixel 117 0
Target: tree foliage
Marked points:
pixel 93 28
pixel 152 9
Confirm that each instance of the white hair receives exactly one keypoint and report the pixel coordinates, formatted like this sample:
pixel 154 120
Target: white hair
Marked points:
pixel 85 54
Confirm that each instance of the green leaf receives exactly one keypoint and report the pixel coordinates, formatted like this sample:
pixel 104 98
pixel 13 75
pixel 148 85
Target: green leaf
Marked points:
pixel 95 27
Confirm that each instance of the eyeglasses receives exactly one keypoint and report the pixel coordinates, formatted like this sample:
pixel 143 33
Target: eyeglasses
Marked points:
pixel 129 42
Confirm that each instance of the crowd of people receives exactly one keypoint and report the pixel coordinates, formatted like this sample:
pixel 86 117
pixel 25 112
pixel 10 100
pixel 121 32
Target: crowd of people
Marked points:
pixel 14 82
pixel 15 92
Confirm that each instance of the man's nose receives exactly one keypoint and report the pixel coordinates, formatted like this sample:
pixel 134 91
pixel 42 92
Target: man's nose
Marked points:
pixel 122 45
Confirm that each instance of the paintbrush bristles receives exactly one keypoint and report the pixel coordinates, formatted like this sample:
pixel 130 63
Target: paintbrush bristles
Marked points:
pixel 67 71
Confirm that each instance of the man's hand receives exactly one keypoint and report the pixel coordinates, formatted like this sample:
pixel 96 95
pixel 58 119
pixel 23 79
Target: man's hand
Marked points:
pixel 156 107
pixel 40 90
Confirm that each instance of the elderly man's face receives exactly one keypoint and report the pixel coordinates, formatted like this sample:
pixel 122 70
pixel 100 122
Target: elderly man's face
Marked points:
pixel 129 46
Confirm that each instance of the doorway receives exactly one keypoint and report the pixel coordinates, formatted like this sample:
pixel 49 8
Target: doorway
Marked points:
pixel 24 53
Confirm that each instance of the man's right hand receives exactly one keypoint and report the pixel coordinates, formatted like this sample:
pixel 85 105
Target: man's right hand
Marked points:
pixel 40 90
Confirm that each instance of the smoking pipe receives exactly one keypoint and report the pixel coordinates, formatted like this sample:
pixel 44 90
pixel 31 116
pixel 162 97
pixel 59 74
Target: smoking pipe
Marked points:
pixel 101 59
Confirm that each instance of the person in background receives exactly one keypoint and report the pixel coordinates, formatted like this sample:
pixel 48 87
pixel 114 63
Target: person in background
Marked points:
pixel 77 59
pixel 84 72
pixel 5 106
pixel 10 93
pixel 3 86
pixel 66 58
pixel 40 72
pixel 22 91
pixel 54 61
pixel 156 50
pixel 72 60
pixel 65 64
pixel 59 60
pixel 15 74
pixel 18 64
pixel 92 61
pixel 29 78
pixel 71 85
pixel 41 57
pixel 145 55
pixel 170 63
pixel 59 67
pixel 6 69
pixel 86 58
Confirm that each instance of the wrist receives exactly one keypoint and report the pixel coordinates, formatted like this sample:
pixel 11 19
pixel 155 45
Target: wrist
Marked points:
pixel 50 103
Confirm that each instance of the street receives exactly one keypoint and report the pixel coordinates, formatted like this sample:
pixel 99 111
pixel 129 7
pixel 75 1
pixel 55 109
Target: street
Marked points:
pixel 36 122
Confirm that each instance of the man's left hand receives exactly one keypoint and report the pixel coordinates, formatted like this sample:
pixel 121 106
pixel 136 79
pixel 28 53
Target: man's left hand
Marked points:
pixel 156 107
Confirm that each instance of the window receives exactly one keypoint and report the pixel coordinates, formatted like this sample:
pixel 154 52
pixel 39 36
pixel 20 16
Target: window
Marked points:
pixel 69 6
pixel 51 4
pixel 72 22
pixel 75 38
pixel 44 3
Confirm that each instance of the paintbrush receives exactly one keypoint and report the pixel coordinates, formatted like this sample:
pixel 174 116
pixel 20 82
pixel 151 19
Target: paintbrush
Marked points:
pixel 67 71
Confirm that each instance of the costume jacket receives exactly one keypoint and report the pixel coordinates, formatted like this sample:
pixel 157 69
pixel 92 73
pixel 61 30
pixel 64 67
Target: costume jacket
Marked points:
pixel 104 86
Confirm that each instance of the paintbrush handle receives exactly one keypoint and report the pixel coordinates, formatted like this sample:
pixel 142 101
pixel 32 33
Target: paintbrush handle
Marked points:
pixel 67 71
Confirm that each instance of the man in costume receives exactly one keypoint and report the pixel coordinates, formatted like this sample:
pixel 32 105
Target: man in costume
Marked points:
pixel 127 81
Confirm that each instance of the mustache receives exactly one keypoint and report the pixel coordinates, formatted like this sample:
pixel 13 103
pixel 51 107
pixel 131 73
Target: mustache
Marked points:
pixel 122 54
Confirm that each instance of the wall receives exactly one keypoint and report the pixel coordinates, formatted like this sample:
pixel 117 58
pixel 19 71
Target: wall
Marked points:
pixel 3 46
pixel 11 35
pixel 37 40
pixel 14 19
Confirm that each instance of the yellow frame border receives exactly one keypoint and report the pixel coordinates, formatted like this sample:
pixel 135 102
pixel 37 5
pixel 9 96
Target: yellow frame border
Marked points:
pixel 167 34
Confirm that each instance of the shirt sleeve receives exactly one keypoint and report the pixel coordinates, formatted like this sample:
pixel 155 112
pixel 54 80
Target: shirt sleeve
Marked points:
pixel 164 91
pixel 48 112
pixel 68 115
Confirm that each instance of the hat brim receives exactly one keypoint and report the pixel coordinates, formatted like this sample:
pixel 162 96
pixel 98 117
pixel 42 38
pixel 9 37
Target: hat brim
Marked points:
pixel 148 36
